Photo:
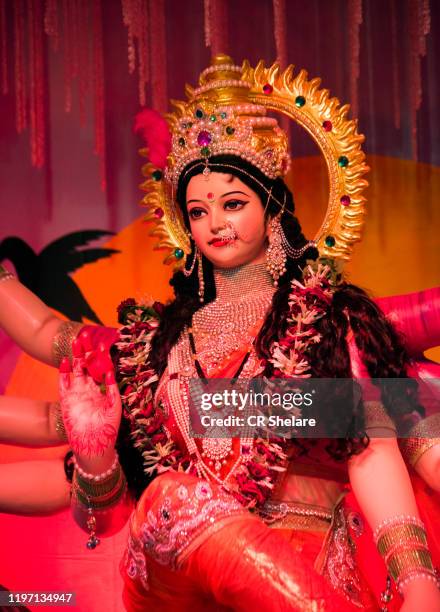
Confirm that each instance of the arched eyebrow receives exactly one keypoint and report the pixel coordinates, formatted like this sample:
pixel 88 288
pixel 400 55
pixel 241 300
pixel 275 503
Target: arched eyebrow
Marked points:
pixel 222 196
pixel 232 192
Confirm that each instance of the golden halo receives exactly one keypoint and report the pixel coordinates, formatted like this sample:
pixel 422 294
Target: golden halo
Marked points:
pixel 312 108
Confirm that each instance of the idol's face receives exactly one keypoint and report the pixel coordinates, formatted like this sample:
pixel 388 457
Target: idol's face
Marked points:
pixel 227 220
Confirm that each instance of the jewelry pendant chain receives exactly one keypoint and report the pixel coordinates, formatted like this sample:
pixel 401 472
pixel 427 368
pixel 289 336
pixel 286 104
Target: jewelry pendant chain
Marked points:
pixel 221 327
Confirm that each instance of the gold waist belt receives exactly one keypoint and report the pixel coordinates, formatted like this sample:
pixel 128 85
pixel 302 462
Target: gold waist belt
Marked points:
pixel 294 515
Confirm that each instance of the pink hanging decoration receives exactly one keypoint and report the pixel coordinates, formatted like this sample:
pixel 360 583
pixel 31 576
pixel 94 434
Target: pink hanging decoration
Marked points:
pixel 3 49
pixel 279 17
pixel 207 22
pixel 74 25
pixel 19 67
pixel 83 57
pixel 129 15
pixel 36 82
pixel 51 22
pixel 135 18
pixel 143 52
pixel 395 56
pixel 155 131
pixel 419 26
pixel 67 52
pixel 216 26
pixel 158 59
pixel 354 22
pixel 98 83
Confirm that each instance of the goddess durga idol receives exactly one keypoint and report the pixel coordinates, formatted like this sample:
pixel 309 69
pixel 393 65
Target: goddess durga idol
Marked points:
pixel 242 523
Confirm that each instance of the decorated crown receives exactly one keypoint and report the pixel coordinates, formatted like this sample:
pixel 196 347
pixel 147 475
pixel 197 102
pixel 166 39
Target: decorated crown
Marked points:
pixel 227 114
pixel 209 128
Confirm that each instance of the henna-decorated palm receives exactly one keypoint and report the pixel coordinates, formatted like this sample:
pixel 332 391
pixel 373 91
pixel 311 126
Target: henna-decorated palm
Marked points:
pixel 91 417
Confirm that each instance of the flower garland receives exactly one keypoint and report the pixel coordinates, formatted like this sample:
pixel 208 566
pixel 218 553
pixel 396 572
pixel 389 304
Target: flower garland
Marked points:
pixel 257 475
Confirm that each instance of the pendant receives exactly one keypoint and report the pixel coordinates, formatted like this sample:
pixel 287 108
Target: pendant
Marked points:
pixel 216 447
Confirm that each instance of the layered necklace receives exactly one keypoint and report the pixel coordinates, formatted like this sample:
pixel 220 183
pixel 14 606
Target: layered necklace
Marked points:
pixel 229 323
pixel 244 296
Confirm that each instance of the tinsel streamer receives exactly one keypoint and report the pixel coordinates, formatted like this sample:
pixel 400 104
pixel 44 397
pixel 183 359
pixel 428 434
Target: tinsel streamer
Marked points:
pixel 217 26
pixel 419 26
pixel 4 48
pixel 207 22
pixel 143 51
pixel 98 83
pixel 83 57
pixel 19 67
pixel 129 15
pixel 354 22
pixel 135 18
pixel 395 58
pixel 51 25
pixel 74 15
pixel 280 32
pixel 158 58
pixel 36 82
pixel 279 17
pixel 67 53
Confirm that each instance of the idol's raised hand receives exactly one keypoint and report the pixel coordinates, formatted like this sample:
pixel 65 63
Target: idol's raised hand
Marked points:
pixel 91 416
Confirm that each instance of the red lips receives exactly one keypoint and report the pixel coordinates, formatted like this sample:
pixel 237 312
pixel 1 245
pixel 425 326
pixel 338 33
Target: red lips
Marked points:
pixel 219 242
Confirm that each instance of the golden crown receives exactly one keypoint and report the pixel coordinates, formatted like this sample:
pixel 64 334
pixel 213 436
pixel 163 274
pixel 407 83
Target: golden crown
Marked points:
pixel 227 113
pixel 206 128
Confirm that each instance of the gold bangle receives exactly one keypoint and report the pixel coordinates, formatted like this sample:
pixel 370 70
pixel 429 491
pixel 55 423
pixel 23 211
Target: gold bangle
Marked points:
pixel 55 411
pixel 62 342
pixel 101 502
pixel 408 561
pixel 97 489
pixel 412 449
pixel 398 535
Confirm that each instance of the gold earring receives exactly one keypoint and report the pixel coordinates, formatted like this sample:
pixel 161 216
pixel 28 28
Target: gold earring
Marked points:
pixel 200 277
pixel 186 272
pixel 275 254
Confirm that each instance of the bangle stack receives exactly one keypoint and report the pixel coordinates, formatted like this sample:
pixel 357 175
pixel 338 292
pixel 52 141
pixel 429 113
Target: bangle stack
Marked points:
pixel 97 492
pixel 402 542
pixel 62 342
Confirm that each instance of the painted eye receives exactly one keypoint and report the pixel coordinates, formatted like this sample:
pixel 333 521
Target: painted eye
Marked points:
pixel 234 204
pixel 196 213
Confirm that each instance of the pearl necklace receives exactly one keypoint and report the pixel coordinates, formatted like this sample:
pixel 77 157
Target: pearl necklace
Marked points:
pixel 219 328
pixel 243 298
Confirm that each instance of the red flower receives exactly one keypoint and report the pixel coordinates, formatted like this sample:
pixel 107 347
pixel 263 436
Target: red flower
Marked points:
pixel 123 306
pixel 252 489
pixel 159 438
pixel 257 471
pixel 148 410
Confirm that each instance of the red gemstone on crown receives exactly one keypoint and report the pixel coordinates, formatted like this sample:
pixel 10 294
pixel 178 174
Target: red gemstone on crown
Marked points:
pixel 204 138
pixel 267 89
pixel 328 126
pixel 159 213
pixel 345 200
